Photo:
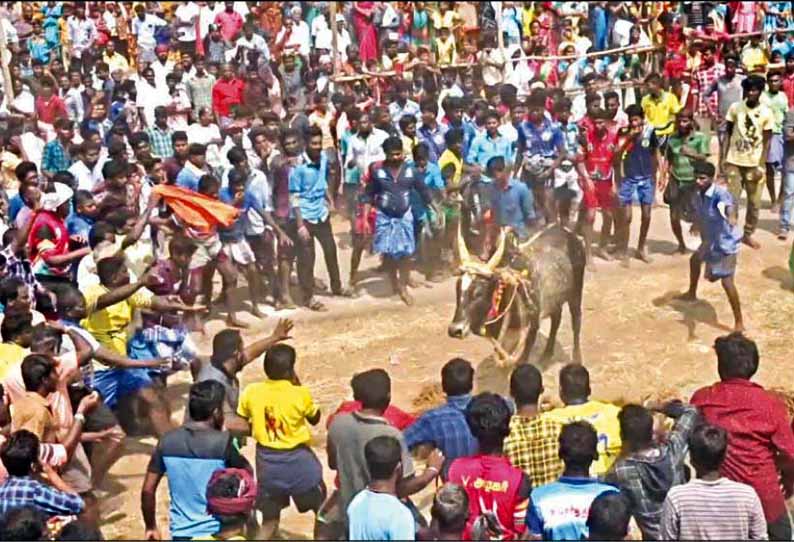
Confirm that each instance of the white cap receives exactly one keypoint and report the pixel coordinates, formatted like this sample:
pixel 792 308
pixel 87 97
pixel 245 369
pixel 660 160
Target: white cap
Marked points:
pixel 52 200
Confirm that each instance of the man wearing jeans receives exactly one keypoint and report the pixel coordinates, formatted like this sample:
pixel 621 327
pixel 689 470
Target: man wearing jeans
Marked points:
pixel 310 219
pixel 787 193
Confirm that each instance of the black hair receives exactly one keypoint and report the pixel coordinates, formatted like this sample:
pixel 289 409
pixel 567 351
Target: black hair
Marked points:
pixel 68 296
pixel 636 426
pixel 392 144
pixel 207 183
pixel 80 530
pixel 737 356
pixel 14 326
pixel 23 169
pixel 383 454
pixel 609 516
pixel 430 105
pixel 20 452
pixel 179 135
pixel 181 245
pixel 753 82
pixel 653 77
pixel 578 442
pixel 118 217
pixel 280 362
pixel 457 377
pixel 204 399
pixel 9 289
pixel 236 155
pixel 99 232
pixel 490 114
pixel 453 136
pixel 225 343
pixel 45 337
pixel 488 417
pixel 291 132
pixel 63 123
pixel 35 368
pixel 25 523
pixel 611 95
pixel 563 104
pixel 114 168
pixel 421 152
pixel 574 382
pixel 497 163
pixel 526 384
pixel 106 268
pixel 137 138
pixel 372 388
pixel 635 110
pixel 81 197
pixel 405 121
pixel 735 57
pixel 707 447
pixel 314 131
pixel 197 149
pixel 450 508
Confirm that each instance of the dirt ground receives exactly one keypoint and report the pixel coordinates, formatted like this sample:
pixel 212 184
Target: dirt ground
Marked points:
pixel 637 342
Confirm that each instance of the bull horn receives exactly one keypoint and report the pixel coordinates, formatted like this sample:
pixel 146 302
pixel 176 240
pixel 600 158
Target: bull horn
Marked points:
pixel 463 250
pixel 496 258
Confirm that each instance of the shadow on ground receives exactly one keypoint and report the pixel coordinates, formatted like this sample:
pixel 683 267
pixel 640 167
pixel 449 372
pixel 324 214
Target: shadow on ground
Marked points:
pixel 692 313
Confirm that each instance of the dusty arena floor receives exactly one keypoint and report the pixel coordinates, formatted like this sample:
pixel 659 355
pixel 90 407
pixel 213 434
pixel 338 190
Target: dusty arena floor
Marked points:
pixel 637 342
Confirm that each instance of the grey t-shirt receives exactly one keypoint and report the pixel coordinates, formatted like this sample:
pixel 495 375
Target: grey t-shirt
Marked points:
pixel 788 146
pixel 728 92
pixel 348 434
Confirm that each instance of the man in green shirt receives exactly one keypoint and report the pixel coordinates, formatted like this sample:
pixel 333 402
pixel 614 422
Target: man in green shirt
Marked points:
pixel 685 147
pixel 774 98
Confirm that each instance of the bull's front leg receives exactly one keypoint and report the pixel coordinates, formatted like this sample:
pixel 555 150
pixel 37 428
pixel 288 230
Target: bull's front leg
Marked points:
pixel 556 317
pixel 531 334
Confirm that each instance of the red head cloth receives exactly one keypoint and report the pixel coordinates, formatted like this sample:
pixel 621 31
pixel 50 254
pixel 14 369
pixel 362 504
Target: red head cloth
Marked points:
pixel 231 505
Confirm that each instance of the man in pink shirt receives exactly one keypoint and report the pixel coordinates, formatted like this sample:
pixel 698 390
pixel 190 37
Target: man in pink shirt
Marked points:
pixel 227 92
pixel 229 21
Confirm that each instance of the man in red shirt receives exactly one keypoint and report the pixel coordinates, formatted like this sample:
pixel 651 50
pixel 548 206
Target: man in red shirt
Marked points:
pixel 761 441
pixel 229 21
pixel 227 92
pixel 788 79
pixel 597 178
pixel 49 106
pixel 498 492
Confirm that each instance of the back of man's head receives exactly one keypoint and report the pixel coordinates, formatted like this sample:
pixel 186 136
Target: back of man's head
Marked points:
pixel 280 362
pixel 526 384
pixel 205 399
pixel 450 509
pixel 26 523
pixel 578 442
pixel 574 383
pixel 383 454
pixel 36 368
pixel 19 453
pixel 707 447
pixel 80 530
pixel 488 417
pixel 373 389
pixel 737 356
pixel 457 377
pixel 636 426
pixel 609 516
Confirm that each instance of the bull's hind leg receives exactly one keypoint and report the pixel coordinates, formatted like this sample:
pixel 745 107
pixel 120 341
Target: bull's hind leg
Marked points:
pixel 556 317
pixel 575 307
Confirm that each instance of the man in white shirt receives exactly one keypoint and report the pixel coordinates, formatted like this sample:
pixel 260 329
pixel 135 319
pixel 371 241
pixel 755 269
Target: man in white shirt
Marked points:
pixel 186 17
pixel 82 33
pixel 324 38
pixel 144 26
pixel 299 35
pixel 87 170
pixel 253 42
pixel 493 64
pixel 162 67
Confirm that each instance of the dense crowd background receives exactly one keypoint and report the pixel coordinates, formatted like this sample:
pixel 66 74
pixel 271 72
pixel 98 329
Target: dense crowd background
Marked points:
pixel 147 146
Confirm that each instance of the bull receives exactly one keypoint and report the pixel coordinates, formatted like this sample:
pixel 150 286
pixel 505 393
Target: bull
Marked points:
pixel 517 289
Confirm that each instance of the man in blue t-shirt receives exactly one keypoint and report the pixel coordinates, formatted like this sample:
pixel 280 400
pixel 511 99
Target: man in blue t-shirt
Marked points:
pixel 559 510
pixel 638 151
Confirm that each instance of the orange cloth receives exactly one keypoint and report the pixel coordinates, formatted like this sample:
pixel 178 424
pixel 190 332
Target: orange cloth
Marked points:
pixel 196 210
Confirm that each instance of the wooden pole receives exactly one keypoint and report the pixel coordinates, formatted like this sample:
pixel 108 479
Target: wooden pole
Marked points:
pixel 8 88
pixel 334 39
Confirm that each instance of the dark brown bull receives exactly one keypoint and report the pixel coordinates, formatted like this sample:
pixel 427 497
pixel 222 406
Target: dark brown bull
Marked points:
pixel 518 290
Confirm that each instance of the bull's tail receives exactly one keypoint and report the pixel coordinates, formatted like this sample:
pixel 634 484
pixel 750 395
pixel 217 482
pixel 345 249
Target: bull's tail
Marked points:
pixel 578 256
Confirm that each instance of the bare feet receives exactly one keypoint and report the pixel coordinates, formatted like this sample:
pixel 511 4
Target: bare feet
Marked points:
pixel 256 311
pixel 686 296
pixel 233 321
pixel 775 208
pixel 642 255
pixel 750 242
pixel 314 305
pixel 602 253
pixel 407 298
pixel 682 249
pixel 283 304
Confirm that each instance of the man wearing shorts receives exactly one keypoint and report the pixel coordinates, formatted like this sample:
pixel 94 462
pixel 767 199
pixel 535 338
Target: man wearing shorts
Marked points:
pixel 598 178
pixel 717 220
pixel 777 101
pixel 750 126
pixel 638 150
pixel 280 410
pixel 684 147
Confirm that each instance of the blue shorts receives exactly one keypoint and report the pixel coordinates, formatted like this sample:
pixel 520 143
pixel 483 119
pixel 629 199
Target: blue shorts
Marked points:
pixel 718 265
pixel 113 384
pixel 643 186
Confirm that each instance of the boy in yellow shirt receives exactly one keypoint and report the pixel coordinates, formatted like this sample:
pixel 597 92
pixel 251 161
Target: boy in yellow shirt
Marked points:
pixel 575 393
pixel 280 410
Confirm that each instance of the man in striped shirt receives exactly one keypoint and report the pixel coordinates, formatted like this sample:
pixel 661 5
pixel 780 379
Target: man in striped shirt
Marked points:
pixel 711 507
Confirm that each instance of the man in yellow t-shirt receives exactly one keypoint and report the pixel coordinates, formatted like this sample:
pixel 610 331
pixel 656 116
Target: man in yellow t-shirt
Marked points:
pixel 280 410
pixel 750 125
pixel 660 106
pixel 575 393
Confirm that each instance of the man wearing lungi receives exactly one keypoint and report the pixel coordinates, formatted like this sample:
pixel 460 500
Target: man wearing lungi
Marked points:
pixel 388 190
